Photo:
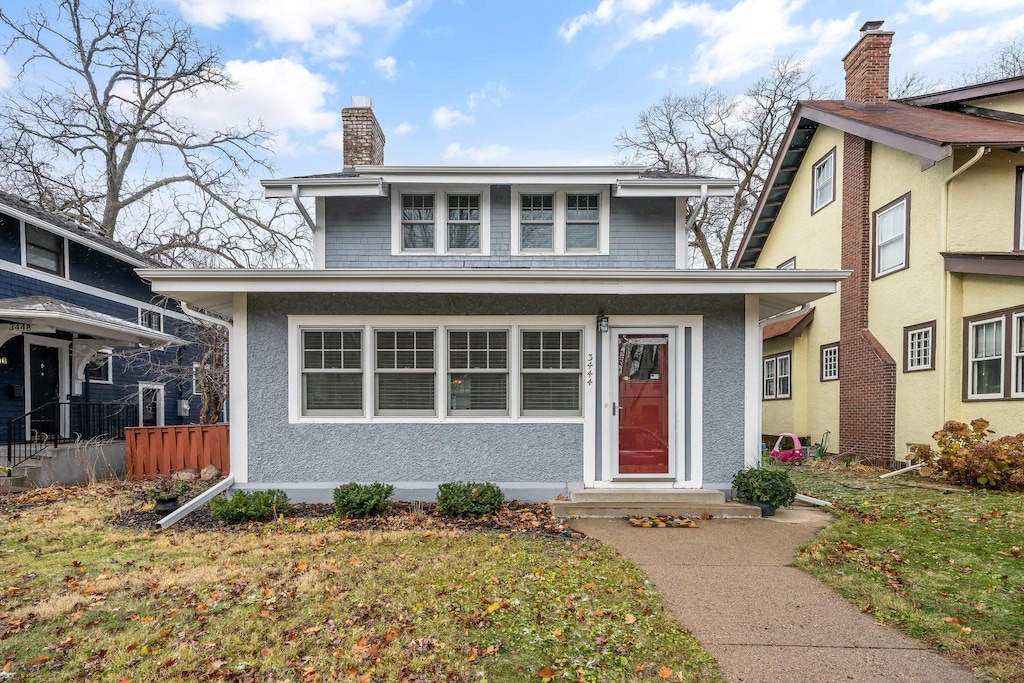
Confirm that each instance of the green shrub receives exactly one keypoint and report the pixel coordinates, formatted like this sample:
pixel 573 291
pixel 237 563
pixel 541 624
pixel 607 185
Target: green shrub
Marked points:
pixel 771 485
pixel 967 456
pixel 249 506
pixel 468 499
pixel 358 500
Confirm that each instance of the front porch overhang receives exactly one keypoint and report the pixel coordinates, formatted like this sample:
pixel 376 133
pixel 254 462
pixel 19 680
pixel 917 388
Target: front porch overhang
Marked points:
pixel 777 290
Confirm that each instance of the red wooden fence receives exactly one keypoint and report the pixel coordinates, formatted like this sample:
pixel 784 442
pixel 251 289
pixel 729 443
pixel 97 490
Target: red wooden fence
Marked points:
pixel 154 452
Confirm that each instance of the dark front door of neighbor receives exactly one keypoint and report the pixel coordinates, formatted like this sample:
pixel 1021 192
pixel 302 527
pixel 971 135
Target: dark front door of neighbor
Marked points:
pixel 44 377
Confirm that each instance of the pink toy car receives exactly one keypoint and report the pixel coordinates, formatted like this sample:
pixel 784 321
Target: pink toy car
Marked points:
pixel 795 454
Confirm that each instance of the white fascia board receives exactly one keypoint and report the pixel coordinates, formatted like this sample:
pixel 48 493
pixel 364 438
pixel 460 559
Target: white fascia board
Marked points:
pixel 120 332
pixel 325 187
pixel 674 187
pixel 73 236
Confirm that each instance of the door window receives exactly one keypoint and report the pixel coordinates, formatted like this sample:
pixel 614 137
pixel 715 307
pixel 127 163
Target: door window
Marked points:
pixel 643 404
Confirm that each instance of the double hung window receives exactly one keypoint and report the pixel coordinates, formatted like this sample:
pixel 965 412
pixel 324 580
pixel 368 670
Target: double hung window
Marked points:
pixel 463 222
pixel 891 235
pixel 581 222
pixel 537 222
pixel 404 371
pixel 986 355
pixel 332 372
pixel 418 225
pixel 776 376
pixel 552 372
pixel 547 221
pixel 432 220
pixel 824 173
pixel 994 355
pixel 44 251
pixel 151 319
pixel 478 372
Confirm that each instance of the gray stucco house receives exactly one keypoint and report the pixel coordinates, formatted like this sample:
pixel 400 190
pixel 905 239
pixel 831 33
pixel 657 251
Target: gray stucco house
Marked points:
pixel 536 327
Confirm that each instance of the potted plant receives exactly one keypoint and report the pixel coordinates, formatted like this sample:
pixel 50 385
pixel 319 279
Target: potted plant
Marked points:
pixel 770 488
pixel 165 495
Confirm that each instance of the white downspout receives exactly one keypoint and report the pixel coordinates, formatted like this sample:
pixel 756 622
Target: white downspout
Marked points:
pixel 944 312
pixel 302 209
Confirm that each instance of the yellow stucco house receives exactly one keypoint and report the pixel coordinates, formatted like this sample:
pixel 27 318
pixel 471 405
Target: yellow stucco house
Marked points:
pixel 921 199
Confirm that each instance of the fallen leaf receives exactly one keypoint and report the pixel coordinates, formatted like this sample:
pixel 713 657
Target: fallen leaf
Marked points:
pixel 41 659
pixel 665 672
pixel 546 673
pixel 355 562
pixel 630 619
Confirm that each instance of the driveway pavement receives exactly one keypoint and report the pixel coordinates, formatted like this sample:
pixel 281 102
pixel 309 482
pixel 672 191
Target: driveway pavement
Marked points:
pixel 728 584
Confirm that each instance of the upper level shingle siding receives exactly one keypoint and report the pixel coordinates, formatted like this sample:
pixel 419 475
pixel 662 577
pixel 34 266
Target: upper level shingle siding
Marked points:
pixel 358 235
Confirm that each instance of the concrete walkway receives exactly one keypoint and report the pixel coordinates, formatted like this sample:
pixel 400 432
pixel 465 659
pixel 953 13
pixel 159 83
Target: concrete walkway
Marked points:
pixel 728 583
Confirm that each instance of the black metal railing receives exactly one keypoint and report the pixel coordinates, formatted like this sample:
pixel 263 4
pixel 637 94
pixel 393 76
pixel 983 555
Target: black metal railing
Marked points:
pixel 56 423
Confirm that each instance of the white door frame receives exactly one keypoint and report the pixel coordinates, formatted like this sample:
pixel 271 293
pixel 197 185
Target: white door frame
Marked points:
pixel 678 324
pixel 162 397
pixel 676 374
pixel 63 347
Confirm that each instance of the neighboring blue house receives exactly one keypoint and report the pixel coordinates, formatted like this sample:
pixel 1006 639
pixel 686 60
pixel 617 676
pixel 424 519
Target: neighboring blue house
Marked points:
pixel 540 328
pixel 71 305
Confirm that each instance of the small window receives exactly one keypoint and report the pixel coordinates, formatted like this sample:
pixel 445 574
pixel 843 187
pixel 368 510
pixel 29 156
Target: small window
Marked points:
pixel 986 359
pixel 44 250
pixel 582 218
pixel 552 372
pixel 332 372
pixel 98 369
pixel 463 222
pixel 404 370
pixel 536 222
pixel 478 372
pixel 891 234
pixel 776 375
pixel 824 173
pixel 151 319
pixel 789 264
pixel 919 347
pixel 830 362
pixel 417 221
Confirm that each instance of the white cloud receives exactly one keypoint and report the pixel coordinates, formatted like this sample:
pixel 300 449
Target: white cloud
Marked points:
pixel 967 41
pixel 605 12
pixel 386 67
pixel 281 93
pixel 404 128
pixel 327 28
pixel 479 155
pixel 941 10
pixel 745 37
pixel 492 92
pixel 446 118
pixel 5 75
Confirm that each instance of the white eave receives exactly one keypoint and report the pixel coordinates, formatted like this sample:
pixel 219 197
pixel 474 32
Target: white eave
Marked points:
pixel 374 181
pixel 111 331
pixel 214 289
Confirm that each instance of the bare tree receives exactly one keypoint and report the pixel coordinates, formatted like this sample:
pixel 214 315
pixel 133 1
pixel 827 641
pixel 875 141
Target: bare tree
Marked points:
pixel 94 132
pixel 1007 61
pixel 719 134
pixel 912 83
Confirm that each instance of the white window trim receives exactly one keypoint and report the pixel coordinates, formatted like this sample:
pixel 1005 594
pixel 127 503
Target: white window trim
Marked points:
pixel 971 359
pixel 363 356
pixel 161 402
pixel 558 239
pixel 64 252
pixel 375 371
pixel 585 324
pixel 928 365
pixel 1015 354
pixel 151 311
pixel 440 193
pixel 815 186
pixel 507 371
pixel 521 371
pixel 110 368
pixel 833 350
pixel 773 361
pixel 903 236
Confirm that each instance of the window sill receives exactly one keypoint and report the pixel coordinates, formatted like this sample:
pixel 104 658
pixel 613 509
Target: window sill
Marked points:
pixel 989 399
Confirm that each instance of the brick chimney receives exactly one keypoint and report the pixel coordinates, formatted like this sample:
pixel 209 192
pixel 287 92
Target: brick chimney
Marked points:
pixel 364 140
pixel 867 68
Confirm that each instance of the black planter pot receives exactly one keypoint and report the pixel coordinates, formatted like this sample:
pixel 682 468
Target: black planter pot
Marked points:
pixel 165 504
pixel 766 509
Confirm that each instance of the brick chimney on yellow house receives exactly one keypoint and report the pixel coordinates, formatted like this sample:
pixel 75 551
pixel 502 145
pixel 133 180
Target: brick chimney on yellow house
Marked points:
pixel 867 372
pixel 363 137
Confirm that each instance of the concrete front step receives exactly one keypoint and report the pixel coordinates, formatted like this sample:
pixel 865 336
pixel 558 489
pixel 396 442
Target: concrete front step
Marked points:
pixel 13 484
pixel 646 502
pixel 648 496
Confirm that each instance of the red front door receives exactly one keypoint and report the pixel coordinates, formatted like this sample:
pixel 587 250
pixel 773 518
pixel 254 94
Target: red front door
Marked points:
pixel 643 404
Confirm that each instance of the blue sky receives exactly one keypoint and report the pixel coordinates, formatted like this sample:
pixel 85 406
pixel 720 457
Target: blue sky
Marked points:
pixel 470 82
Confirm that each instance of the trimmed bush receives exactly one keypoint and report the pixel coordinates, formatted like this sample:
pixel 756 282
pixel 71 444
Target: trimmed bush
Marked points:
pixel 468 499
pixel 966 455
pixel 770 485
pixel 250 506
pixel 358 500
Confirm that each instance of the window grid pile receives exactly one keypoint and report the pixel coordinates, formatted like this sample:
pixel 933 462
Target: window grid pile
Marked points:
pixel 537 222
pixel 405 372
pixel 463 222
pixel 551 372
pixel 987 358
pixel 418 221
pixel 919 349
pixel 44 250
pixel 581 221
pixel 478 372
pixel 890 239
pixel 332 372
pixel 824 178
pixel 830 363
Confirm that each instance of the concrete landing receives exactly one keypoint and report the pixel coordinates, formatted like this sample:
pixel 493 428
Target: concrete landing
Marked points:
pixel 696 503
pixel 728 584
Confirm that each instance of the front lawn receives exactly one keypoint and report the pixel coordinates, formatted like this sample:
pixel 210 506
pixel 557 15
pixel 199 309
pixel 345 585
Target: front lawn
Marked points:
pixel 945 567
pixel 305 601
